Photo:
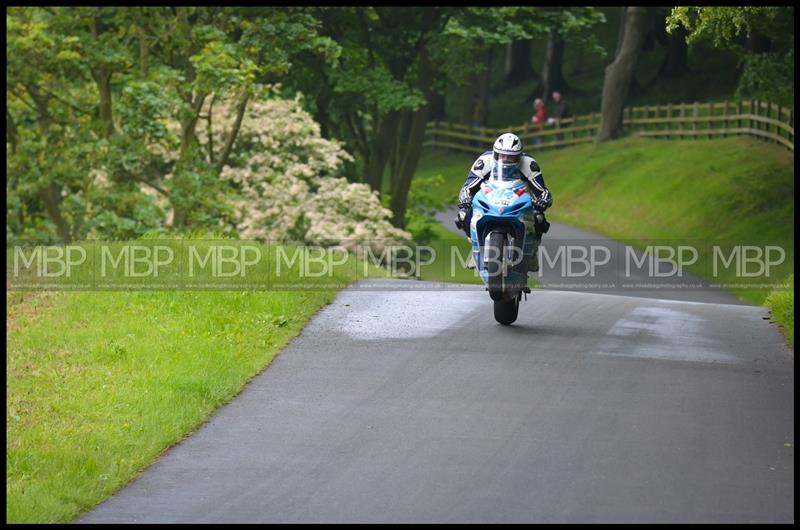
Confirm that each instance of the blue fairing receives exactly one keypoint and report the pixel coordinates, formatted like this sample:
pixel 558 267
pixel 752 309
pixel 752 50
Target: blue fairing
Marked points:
pixel 499 205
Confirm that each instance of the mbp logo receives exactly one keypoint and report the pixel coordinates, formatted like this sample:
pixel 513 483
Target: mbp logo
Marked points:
pixel 750 261
pixel 48 261
pixel 137 261
pixel 225 261
pixel 663 261
pixel 576 261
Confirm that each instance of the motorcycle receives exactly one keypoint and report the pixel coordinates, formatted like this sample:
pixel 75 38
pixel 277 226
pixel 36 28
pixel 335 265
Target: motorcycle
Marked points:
pixel 502 231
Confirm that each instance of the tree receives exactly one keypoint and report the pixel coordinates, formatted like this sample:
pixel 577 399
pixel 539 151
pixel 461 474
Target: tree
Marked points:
pixel 675 62
pixel 118 94
pixel 519 67
pixel 762 37
pixel 391 70
pixel 566 25
pixel 619 73
pixel 288 187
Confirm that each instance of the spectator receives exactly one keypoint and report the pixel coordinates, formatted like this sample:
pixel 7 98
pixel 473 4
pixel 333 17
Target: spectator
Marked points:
pixel 562 109
pixel 538 120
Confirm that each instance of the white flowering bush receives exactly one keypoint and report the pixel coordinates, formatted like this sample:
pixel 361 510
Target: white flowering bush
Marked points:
pixel 286 175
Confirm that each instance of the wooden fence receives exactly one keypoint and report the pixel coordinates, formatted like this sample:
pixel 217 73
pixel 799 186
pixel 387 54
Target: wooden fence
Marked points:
pixel 762 120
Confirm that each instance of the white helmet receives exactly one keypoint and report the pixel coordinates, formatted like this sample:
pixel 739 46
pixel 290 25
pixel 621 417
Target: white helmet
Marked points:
pixel 507 144
pixel 510 145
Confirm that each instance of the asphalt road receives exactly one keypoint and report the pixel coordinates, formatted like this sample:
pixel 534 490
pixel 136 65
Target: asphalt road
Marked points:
pixel 416 406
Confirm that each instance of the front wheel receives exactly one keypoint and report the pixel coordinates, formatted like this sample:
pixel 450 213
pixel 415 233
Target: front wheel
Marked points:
pixel 505 312
pixel 493 258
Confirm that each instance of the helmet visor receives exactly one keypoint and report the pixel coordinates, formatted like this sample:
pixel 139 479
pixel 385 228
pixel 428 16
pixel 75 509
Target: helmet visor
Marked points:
pixel 506 167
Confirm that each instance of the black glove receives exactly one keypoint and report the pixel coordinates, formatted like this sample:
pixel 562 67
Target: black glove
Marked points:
pixel 540 203
pixel 543 201
pixel 459 220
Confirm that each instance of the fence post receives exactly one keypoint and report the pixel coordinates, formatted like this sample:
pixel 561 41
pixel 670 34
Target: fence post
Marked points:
pixel 669 120
pixel 724 131
pixel 710 122
pixel 739 108
pixel 770 127
pixel 656 112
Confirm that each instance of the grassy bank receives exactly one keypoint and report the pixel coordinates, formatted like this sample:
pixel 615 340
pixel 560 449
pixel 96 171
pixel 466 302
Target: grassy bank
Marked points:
pixel 781 304
pixel 100 383
pixel 737 190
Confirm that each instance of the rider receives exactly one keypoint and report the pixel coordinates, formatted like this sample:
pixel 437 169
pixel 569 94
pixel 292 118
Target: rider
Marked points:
pixel 506 156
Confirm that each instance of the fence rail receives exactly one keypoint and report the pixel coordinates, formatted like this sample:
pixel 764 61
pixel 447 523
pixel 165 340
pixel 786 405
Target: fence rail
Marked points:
pixel 759 119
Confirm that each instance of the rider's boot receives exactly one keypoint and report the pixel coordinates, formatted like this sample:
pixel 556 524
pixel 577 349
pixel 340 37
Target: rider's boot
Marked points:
pixel 533 259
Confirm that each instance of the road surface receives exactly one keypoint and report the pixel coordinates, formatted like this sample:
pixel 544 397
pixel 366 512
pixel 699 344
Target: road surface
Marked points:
pixel 414 406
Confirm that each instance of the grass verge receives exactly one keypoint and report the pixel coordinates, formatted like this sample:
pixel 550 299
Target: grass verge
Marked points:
pixel 100 383
pixel 781 305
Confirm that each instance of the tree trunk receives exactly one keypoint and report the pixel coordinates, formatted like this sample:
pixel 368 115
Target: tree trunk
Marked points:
pixel 438 109
pixel 188 137
pixel 102 76
pixel 380 150
pixel 485 86
pixel 401 180
pixel 621 31
pixel 11 135
pixel 476 93
pixel 552 70
pixel 51 198
pixel 323 113
pixel 237 124
pixel 42 102
pixel 649 43
pixel 469 92
pixel 50 194
pixel 189 124
pixel 757 43
pixel 618 74
pixel 144 51
pixel 675 61
pixel 518 63
pixel 210 129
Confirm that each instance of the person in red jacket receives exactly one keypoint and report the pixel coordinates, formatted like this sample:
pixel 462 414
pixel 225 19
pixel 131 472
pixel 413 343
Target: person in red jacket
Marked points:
pixel 539 119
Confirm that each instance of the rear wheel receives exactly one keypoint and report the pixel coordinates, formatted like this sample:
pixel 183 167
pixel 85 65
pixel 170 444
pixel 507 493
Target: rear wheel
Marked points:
pixel 505 312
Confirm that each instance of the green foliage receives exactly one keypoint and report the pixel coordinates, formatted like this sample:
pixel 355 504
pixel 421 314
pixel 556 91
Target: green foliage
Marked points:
pixel 117 95
pixel 769 76
pixel 424 200
pixel 781 304
pixel 374 83
pixel 720 24
pixel 497 25
pixel 768 65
